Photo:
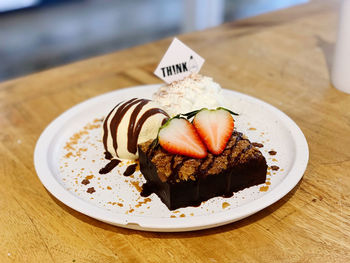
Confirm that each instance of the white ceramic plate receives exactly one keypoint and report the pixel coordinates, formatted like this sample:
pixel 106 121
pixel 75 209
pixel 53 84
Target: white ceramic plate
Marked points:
pixel 70 149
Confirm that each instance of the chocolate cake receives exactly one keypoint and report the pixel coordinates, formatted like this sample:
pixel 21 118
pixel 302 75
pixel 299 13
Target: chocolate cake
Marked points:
pixel 181 181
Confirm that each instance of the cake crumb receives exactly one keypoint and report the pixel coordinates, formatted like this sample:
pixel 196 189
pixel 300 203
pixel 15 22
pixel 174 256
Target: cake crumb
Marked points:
pixel 145 201
pixel 85 181
pixel 69 154
pixel 225 205
pixel 275 167
pixel 172 216
pixel 91 190
pixel 252 129
pixel 115 203
pixel 182 215
pixel 264 188
pixel 272 152
pixel 136 185
pixel 109 188
pixel 257 144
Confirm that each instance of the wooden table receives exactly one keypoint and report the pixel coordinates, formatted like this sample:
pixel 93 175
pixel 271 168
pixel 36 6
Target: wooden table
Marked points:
pixel 282 58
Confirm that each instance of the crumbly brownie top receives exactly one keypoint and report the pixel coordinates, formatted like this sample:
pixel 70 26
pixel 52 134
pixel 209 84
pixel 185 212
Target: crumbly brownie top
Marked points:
pixel 175 168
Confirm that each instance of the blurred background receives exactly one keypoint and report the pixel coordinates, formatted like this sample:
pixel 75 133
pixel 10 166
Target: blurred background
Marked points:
pixel 40 34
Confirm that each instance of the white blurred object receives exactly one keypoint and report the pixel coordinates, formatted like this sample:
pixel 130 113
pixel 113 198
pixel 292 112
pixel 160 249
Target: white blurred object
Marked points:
pixel 341 65
pixel 8 5
pixel 201 14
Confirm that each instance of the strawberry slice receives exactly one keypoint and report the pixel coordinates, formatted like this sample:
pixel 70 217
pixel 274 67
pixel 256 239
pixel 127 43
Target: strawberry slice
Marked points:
pixel 178 136
pixel 215 128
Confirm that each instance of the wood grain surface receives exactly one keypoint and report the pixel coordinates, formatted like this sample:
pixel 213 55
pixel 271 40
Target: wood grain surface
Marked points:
pixel 282 58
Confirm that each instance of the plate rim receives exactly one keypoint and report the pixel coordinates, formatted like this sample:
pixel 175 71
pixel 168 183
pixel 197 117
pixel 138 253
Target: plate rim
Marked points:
pixel 48 179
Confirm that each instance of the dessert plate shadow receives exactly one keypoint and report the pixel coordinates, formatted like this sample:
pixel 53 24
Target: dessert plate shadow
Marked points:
pixel 70 151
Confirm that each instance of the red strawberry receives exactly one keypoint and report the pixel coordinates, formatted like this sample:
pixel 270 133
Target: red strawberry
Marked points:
pixel 215 128
pixel 178 136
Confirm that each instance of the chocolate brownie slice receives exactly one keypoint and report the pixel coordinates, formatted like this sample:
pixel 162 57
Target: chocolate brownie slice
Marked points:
pixel 181 181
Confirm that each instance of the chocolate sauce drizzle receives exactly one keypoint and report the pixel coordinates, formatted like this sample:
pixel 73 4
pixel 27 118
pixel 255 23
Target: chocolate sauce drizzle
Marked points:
pixel 134 127
pixel 105 133
pixel 238 138
pixel 108 156
pixel 133 133
pixel 175 169
pixel 118 116
pixel 109 166
pixel 130 170
pixel 134 130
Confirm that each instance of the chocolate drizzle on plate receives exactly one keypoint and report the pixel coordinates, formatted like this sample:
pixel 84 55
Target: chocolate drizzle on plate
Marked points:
pixel 109 166
pixel 130 170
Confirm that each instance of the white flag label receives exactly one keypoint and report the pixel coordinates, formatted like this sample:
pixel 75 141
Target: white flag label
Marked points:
pixel 178 62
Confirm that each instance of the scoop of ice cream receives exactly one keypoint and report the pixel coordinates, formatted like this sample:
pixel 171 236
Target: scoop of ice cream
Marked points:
pixel 130 123
pixel 192 93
